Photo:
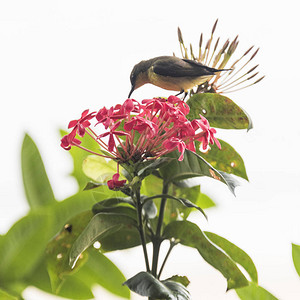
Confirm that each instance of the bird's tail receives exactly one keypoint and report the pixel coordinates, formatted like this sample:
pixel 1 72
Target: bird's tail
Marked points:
pixel 219 70
pixel 213 70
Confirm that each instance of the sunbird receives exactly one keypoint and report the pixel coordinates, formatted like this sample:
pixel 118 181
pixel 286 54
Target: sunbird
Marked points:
pixel 171 73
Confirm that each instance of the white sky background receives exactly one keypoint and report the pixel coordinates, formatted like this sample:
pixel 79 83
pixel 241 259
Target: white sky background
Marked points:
pixel 58 58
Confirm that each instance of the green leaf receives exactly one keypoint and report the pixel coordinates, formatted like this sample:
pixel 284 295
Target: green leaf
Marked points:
pixel 190 204
pixel 254 292
pixel 6 296
pixel 181 279
pixel 125 238
pixel 93 267
pixel 195 195
pixel 151 166
pixel 24 245
pixel 102 192
pixel 100 270
pixel 122 210
pixel 235 253
pixel 58 249
pixel 190 234
pixel 193 165
pixel 111 202
pixel 151 186
pixel 71 288
pixel 99 225
pixel 220 111
pixel 92 185
pixel 78 156
pixel 84 279
pixel 68 208
pixel 296 257
pixel 145 284
pixel 39 277
pixel 204 201
pixel 226 159
pixel 183 201
pixel 36 183
pixel 74 288
pixel 98 169
pixel 177 289
pixel 14 288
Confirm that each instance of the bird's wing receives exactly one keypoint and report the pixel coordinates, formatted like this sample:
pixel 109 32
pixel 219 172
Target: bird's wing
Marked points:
pixel 176 67
pixel 208 69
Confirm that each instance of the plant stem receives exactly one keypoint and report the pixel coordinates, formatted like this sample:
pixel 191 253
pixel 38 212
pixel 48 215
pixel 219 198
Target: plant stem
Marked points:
pixel 172 244
pixel 141 229
pixel 157 240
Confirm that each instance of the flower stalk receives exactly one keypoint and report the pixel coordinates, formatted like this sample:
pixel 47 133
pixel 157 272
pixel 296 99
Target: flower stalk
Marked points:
pixel 173 243
pixel 141 227
pixel 157 239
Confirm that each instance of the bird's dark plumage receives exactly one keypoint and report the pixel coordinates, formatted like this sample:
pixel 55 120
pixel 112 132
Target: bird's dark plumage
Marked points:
pixel 170 73
pixel 176 67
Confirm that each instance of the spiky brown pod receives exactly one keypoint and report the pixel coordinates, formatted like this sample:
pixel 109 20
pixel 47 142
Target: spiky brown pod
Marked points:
pixel 214 56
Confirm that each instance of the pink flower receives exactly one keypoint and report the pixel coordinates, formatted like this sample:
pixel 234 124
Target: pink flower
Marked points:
pixel 174 100
pixel 130 105
pixel 111 134
pixel 141 125
pixel 184 108
pixel 172 143
pixel 82 123
pixel 175 113
pixel 186 130
pixel 153 104
pixel 207 135
pixel 115 182
pixel 144 125
pixel 128 126
pixel 69 140
pixel 149 130
pixel 104 116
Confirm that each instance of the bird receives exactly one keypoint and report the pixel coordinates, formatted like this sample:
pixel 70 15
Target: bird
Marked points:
pixel 171 73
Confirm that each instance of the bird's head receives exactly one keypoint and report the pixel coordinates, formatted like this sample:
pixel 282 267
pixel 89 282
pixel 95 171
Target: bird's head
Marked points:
pixel 138 76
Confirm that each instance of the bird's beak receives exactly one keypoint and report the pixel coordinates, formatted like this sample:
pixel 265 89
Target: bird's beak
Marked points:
pixel 131 91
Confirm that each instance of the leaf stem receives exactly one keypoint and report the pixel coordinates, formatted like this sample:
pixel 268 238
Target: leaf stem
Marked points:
pixel 157 239
pixel 172 244
pixel 141 229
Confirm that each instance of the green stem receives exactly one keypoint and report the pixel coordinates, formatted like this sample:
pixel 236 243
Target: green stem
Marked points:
pixel 157 239
pixel 141 229
pixel 172 244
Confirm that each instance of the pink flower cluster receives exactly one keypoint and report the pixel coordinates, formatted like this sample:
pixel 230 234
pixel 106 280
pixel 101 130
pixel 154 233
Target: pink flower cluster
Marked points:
pixel 137 131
